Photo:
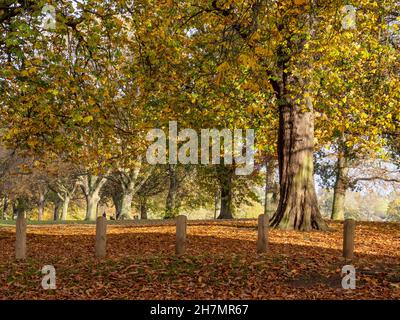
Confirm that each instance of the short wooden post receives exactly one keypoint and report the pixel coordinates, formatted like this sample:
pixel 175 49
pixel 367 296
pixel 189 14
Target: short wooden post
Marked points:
pixel 101 237
pixel 262 239
pixel 20 234
pixel 180 247
pixel 348 238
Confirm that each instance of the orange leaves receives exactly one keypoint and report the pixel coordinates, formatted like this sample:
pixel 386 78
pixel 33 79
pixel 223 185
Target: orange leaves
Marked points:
pixel 221 263
pixel 300 2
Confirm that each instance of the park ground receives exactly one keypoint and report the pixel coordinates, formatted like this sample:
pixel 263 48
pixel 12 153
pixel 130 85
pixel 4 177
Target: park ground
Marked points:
pixel 221 262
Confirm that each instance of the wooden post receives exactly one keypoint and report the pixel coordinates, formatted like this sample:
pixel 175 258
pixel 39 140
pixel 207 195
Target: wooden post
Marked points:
pixel 20 234
pixel 180 247
pixel 262 239
pixel 348 238
pixel 101 237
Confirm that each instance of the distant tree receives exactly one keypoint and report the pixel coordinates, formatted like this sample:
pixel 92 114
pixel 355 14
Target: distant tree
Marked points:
pixel 393 211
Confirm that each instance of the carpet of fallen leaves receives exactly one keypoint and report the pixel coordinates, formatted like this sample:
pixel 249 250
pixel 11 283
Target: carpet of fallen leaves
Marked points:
pixel 221 263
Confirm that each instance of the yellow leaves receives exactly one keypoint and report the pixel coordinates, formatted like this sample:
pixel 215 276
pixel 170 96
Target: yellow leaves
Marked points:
pixel 255 37
pixel 247 61
pixel 249 85
pixel 32 143
pixel 363 116
pixel 223 66
pixel 261 51
pixel 91 101
pixel 54 92
pixel 29 72
pixel 87 119
pixel 221 69
pixel 349 144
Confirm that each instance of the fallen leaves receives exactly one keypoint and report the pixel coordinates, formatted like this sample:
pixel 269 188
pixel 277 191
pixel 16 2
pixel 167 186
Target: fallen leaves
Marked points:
pixel 221 263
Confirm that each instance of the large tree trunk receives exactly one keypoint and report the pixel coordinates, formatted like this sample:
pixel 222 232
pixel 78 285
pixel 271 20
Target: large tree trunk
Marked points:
pixel 298 205
pixel 225 180
pixel 91 189
pixel 126 205
pixel 340 188
pixel 65 206
pixel 92 201
pixel 170 205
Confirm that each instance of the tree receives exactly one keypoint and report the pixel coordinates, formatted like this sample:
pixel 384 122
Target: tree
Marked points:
pixel 224 65
pixel 154 185
pixel 393 211
pixel 91 186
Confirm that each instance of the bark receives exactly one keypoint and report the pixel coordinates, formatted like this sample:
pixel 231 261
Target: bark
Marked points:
pixel 56 212
pixel 143 208
pixel 217 201
pixel 126 205
pixel 14 210
pixel 340 188
pixel 65 194
pixel 170 206
pixel 92 201
pixel 128 180
pixel 5 207
pixel 225 180
pixel 298 205
pixel 91 188
pixel 270 188
pixel 42 202
pixel 65 206
pixel 116 198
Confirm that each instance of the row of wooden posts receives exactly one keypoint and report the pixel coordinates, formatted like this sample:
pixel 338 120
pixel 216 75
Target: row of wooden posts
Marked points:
pixel 180 246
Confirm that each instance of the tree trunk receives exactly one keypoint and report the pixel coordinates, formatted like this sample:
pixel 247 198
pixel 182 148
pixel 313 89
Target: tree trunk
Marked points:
pixel 126 205
pixel 116 198
pixel 65 206
pixel 14 210
pixel 42 202
pixel 298 205
pixel 340 188
pixel 270 197
pixel 143 208
pixel 91 189
pixel 217 201
pixel 20 206
pixel 92 200
pixel 4 208
pixel 225 180
pixel 56 213
pixel 170 206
